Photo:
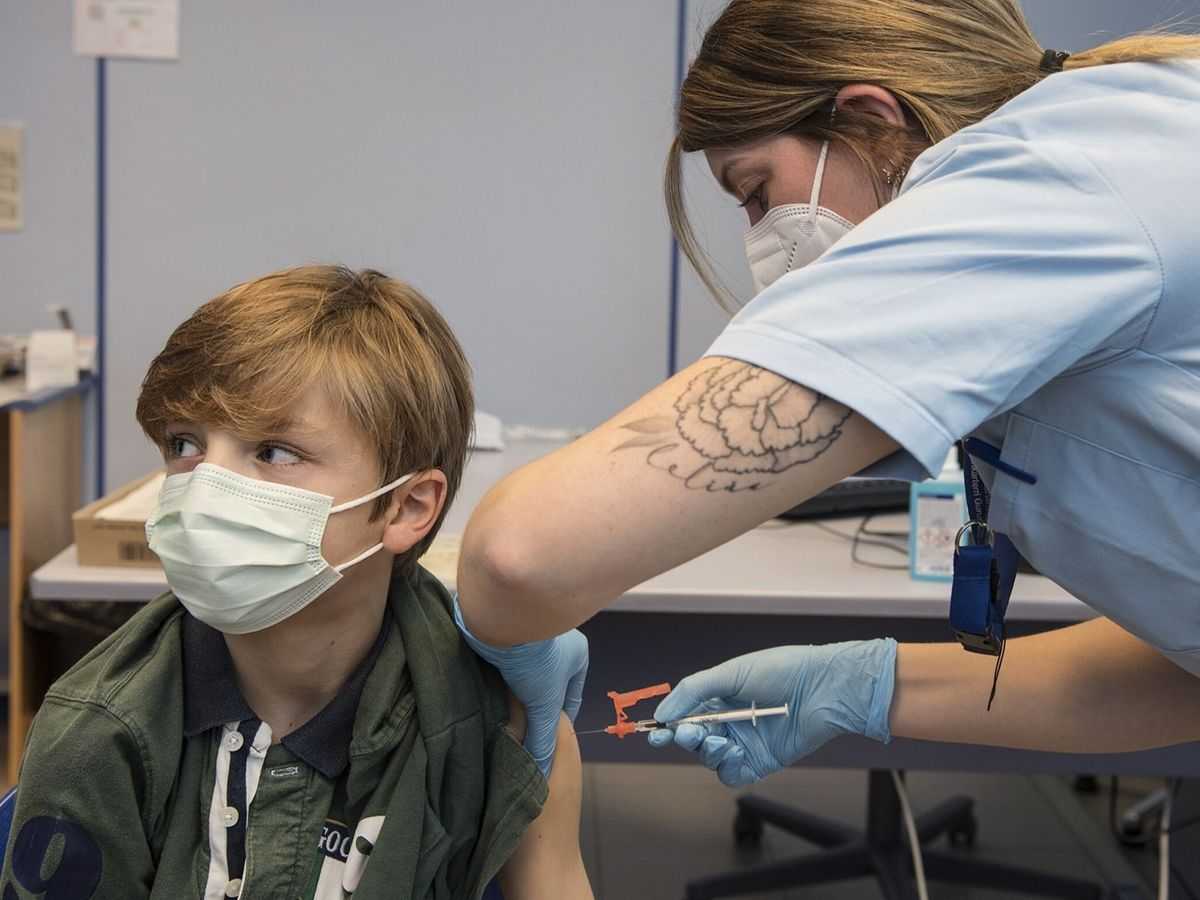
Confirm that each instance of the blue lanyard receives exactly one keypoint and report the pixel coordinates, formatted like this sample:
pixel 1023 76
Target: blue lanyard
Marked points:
pixel 985 568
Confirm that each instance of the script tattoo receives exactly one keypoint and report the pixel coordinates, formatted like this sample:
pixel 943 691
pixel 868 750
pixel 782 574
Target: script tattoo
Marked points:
pixel 736 426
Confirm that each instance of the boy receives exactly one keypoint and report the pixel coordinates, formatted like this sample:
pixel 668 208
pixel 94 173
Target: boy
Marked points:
pixel 298 718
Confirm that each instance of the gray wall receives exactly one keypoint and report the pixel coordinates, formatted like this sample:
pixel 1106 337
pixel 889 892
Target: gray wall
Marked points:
pixel 503 157
pixel 52 261
pixel 1070 25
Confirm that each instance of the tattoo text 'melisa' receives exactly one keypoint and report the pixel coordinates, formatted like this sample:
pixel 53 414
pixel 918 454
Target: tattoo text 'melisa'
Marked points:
pixel 736 426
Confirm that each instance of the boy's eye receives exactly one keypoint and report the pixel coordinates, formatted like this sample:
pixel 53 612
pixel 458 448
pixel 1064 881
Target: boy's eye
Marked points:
pixel 180 447
pixel 274 455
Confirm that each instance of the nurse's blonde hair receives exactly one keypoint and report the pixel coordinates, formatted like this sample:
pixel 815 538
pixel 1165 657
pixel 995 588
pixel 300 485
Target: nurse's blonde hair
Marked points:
pixel 771 67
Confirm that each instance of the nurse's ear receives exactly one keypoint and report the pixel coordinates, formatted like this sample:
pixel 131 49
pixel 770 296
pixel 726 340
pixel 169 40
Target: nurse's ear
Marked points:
pixel 414 510
pixel 872 100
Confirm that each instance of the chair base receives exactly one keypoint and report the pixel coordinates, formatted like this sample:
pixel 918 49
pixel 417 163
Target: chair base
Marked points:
pixel 881 851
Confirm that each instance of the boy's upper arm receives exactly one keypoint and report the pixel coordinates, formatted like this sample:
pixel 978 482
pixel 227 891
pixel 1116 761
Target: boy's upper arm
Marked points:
pixel 79 802
pixel 548 863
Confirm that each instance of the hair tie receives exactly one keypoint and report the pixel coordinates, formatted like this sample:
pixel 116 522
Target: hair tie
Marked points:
pixel 1052 60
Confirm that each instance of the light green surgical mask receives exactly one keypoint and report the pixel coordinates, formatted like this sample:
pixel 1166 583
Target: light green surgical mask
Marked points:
pixel 243 554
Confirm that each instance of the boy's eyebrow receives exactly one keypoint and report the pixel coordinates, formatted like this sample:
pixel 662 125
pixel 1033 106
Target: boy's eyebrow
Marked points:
pixel 296 424
pixel 298 427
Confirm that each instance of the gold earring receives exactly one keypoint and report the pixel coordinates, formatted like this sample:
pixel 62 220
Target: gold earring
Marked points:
pixel 892 175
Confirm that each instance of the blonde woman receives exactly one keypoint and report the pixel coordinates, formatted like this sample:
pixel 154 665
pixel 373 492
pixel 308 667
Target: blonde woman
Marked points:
pixel 955 233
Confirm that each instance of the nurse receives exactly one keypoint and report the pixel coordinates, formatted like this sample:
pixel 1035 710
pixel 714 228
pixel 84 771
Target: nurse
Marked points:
pixel 954 233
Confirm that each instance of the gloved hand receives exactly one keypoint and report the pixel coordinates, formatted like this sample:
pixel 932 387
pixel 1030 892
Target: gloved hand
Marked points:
pixel 830 690
pixel 546 676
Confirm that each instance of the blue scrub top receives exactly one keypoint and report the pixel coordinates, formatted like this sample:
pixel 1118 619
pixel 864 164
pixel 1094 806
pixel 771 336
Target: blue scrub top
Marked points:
pixel 1036 283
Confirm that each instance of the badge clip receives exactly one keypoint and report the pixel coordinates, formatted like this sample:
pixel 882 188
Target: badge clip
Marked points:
pixel 974 615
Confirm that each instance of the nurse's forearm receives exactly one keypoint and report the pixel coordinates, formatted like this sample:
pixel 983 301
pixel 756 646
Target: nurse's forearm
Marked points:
pixel 702 458
pixel 1089 688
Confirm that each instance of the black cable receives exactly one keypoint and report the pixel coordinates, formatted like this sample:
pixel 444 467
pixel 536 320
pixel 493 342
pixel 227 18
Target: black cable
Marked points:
pixel 881 539
pixel 859 539
pixel 996 673
pixel 887 534
pixel 831 530
pixel 869 518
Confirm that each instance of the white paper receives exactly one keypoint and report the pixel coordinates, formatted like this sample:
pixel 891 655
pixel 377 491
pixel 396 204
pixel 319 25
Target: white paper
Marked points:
pixel 137 505
pixel 51 360
pixel 488 433
pixel 85 352
pixel 144 29
pixel 12 168
pixel 938 517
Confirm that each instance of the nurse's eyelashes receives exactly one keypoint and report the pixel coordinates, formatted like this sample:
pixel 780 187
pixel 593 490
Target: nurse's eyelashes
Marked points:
pixel 736 426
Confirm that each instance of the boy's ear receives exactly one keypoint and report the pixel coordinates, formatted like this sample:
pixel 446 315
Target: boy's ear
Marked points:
pixel 414 510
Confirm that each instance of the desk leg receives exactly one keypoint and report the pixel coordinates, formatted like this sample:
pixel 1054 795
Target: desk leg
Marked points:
pixel 45 487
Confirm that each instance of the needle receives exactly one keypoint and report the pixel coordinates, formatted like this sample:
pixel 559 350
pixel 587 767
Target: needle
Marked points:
pixel 643 725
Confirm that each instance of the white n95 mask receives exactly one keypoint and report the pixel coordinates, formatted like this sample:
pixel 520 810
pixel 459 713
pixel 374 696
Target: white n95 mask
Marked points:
pixel 790 237
pixel 242 554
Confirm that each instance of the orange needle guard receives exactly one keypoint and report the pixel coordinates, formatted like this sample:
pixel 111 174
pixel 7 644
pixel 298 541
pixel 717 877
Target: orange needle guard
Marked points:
pixel 622 702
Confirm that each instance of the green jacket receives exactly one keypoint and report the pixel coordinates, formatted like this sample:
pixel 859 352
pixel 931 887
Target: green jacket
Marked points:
pixel 146 775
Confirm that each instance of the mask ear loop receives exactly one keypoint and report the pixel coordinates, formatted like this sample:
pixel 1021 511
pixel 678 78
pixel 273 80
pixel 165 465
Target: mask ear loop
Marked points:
pixel 350 504
pixel 818 177
pixel 810 217
pixel 370 551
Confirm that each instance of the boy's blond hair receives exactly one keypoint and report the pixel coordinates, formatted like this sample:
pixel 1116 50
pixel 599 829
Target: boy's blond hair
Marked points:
pixel 379 348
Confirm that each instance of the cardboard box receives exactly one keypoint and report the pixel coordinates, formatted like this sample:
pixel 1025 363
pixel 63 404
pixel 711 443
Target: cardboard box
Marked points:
pixel 113 542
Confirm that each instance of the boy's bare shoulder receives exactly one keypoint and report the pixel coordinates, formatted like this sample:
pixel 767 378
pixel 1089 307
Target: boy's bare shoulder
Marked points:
pixel 516 717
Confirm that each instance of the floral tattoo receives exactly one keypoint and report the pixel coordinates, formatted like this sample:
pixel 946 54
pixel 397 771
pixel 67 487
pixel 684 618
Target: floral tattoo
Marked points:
pixel 737 425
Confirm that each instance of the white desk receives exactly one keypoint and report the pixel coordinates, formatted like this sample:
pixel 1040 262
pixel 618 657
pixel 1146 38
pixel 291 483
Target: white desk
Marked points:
pixel 778 569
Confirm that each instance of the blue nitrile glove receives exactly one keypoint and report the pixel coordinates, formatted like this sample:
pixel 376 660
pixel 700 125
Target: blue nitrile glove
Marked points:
pixel 546 676
pixel 830 690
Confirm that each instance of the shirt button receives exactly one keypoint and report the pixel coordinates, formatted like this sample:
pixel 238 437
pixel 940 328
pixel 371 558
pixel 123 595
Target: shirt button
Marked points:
pixel 229 816
pixel 233 888
pixel 234 741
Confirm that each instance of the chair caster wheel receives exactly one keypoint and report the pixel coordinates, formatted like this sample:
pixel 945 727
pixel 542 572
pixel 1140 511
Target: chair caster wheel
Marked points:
pixel 964 833
pixel 747 830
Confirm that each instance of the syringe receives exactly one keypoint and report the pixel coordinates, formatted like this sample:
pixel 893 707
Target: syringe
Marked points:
pixel 751 715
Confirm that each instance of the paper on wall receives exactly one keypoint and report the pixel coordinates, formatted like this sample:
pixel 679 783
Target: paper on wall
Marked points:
pixel 143 29
pixel 12 213
pixel 51 360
